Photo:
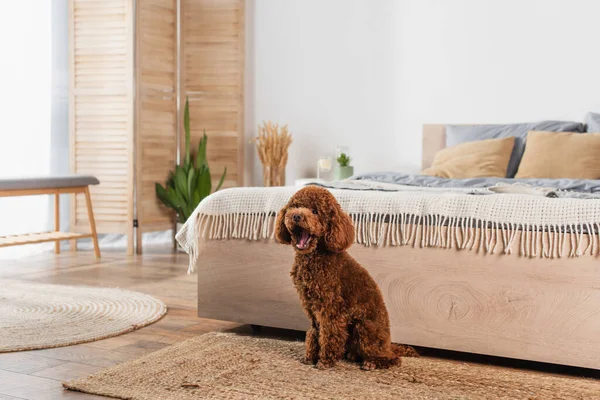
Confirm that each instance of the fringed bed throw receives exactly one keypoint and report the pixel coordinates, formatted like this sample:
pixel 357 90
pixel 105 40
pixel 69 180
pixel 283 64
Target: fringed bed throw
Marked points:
pixel 530 223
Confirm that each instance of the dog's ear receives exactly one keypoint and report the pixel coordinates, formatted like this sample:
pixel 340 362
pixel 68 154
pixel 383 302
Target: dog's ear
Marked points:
pixel 281 233
pixel 341 231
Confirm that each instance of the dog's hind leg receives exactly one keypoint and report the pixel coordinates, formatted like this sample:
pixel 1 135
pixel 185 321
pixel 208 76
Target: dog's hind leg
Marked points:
pixel 375 347
pixel 333 336
pixel 380 362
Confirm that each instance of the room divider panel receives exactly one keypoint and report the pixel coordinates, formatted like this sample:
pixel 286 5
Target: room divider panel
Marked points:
pixel 213 80
pixel 131 65
pixel 156 116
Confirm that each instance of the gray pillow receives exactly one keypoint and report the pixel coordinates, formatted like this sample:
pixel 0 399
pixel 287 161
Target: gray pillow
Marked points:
pixel 457 134
pixel 592 121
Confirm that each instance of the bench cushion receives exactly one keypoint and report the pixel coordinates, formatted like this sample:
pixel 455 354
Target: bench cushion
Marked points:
pixel 47 182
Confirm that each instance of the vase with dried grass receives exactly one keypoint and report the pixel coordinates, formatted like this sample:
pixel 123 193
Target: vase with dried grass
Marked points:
pixel 272 144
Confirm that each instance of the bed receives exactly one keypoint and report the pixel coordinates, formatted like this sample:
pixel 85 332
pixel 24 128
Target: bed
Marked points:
pixel 479 286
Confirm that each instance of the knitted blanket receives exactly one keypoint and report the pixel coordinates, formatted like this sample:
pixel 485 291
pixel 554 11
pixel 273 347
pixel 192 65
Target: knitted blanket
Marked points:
pixel 550 224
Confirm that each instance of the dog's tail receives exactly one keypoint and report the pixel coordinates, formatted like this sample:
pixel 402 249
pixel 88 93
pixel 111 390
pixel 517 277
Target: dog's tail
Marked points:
pixel 402 350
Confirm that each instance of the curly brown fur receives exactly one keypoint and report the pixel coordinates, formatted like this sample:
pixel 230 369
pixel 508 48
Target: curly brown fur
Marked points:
pixel 344 304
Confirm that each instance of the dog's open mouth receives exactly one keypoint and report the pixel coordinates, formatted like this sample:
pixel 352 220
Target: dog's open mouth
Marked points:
pixel 303 238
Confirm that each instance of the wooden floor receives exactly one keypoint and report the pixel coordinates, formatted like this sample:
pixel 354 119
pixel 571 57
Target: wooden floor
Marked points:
pixel 37 375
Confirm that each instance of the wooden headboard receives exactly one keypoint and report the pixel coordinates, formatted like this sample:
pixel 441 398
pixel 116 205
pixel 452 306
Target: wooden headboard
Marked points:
pixel 434 139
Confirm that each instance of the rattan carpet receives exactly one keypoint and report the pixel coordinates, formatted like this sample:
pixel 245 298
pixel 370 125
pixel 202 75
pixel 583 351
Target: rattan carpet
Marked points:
pixel 39 316
pixel 229 366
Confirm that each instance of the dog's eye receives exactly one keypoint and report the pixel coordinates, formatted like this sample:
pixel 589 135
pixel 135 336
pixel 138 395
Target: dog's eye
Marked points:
pixel 315 212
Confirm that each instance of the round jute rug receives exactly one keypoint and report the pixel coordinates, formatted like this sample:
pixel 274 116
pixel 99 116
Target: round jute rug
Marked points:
pixel 38 316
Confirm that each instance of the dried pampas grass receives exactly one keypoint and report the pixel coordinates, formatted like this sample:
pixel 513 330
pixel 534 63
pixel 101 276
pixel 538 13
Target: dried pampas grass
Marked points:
pixel 272 144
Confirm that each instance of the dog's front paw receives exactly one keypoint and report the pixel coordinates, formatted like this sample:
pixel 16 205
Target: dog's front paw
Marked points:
pixel 368 366
pixel 324 365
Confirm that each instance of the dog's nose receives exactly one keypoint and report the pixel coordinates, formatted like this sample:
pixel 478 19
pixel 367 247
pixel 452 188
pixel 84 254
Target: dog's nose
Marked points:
pixel 297 217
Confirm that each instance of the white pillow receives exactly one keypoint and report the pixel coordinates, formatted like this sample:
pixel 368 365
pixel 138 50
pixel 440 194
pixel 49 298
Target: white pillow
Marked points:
pixel 592 121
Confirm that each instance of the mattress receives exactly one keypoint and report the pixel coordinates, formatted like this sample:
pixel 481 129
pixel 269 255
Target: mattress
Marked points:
pixel 573 185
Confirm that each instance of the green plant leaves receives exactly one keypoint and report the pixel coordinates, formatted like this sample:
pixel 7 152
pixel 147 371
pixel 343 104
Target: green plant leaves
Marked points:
pixel 204 183
pixel 191 182
pixel 161 193
pixel 221 180
pixel 171 180
pixel 181 182
pixel 201 154
pixel 172 199
pixel 343 160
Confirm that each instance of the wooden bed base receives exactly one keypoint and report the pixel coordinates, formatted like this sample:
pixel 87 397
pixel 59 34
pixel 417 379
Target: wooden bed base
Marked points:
pixel 536 309
pixel 544 310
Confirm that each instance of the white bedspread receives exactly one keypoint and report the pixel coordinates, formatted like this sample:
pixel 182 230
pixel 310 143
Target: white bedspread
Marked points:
pixel 394 215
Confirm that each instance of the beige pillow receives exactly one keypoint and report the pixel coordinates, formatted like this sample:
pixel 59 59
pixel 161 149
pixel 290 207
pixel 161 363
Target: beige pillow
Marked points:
pixel 557 155
pixel 478 159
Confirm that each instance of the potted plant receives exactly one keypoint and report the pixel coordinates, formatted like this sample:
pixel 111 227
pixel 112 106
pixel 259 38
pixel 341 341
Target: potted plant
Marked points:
pixel 343 170
pixel 190 183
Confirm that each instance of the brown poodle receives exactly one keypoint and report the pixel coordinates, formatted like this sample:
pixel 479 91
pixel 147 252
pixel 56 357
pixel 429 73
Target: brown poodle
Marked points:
pixel 345 306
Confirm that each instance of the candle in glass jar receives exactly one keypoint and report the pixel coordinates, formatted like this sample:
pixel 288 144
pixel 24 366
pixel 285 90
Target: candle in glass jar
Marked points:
pixel 325 163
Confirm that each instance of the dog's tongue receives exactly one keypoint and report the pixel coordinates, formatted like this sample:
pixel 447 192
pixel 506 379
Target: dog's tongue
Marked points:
pixel 303 242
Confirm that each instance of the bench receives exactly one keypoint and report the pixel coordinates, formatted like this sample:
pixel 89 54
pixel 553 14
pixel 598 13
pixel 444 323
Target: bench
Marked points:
pixel 53 185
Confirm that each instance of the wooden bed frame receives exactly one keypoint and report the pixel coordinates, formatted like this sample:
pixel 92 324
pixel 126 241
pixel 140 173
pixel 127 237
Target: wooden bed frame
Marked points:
pixel 536 309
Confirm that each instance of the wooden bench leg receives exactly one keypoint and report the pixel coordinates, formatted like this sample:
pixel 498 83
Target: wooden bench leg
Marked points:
pixel 88 201
pixel 57 220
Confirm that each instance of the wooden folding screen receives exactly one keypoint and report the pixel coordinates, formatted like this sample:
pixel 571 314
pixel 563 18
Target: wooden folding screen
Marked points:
pixel 123 110
pixel 156 122
pixel 212 76
pixel 101 111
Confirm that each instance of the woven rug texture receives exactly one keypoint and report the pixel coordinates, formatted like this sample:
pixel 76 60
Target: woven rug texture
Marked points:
pixel 230 366
pixel 39 316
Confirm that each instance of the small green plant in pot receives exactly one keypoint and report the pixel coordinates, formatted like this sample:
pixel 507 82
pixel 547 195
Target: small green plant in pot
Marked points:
pixel 190 183
pixel 344 170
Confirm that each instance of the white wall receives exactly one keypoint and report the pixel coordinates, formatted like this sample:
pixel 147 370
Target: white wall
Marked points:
pixel 59 102
pixel 326 68
pixel 474 61
pixel 368 74
pixel 25 78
